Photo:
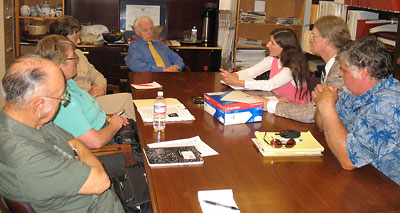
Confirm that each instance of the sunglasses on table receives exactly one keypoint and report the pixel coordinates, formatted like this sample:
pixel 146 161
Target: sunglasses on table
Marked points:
pixel 276 143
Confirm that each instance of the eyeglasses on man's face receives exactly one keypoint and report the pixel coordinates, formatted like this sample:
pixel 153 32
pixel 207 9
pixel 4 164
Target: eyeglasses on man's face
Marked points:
pixel 312 36
pixel 276 143
pixel 64 100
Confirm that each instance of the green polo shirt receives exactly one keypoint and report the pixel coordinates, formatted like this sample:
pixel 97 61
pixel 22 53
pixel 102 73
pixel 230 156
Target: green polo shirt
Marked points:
pixel 81 114
pixel 38 167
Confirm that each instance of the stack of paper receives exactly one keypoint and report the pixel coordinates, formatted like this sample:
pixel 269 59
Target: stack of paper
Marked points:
pixel 249 42
pixel 247 16
pixel 306 145
pixel 176 111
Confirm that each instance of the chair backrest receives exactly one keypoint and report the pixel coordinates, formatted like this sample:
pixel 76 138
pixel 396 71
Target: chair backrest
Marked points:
pixel 3 207
pixel 20 207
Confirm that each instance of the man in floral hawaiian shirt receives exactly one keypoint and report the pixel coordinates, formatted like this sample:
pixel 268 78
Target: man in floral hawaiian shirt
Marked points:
pixel 362 125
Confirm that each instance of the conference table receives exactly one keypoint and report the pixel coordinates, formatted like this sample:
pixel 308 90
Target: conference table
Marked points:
pixel 259 184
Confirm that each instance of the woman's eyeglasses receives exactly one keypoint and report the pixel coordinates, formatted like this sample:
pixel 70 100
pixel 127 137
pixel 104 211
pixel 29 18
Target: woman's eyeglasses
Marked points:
pixel 65 100
pixel 276 143
pixel 75 58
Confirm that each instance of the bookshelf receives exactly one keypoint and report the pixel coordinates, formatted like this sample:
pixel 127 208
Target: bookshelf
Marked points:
pixel 385 14
pixel 288 8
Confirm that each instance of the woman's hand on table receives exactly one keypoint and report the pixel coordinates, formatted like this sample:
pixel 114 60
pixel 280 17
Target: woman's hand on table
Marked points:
pixel 231 78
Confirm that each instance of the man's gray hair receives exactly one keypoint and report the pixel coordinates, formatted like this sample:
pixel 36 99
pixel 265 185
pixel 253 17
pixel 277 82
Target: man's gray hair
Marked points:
pixel 369 53
pixel 136 22
pixel 24 78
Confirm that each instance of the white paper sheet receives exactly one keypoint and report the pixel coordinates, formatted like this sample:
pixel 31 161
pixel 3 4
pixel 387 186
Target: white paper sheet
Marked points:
pixel 174 113
pixel 200 145
pixel 238 96
pixel 152 85
pixel 224 196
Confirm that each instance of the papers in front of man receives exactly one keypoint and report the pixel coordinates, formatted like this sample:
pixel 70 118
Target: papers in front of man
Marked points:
pixel 217 201
pixel 306 145
pixel 200 145
pixel 153 85
pixel 176 111
pixel 173 156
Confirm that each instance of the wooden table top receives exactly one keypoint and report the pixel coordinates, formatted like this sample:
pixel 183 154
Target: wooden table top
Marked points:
pixel 259 184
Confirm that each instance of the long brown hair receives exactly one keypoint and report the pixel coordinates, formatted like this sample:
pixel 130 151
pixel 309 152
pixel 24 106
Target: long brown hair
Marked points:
pixel 292 57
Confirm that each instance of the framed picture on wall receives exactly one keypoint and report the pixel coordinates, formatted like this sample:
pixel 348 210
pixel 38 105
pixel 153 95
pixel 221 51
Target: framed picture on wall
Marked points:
pixel 132 9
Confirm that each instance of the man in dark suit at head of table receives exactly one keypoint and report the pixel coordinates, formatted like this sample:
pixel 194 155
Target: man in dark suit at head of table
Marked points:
pixel 362 125
pixel 148 55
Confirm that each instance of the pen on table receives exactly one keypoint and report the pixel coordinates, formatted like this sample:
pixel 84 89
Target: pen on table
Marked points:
pixel 220 204
pixel 119 113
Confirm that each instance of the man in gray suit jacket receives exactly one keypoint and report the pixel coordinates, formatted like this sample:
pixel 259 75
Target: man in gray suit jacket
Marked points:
pixel 328 36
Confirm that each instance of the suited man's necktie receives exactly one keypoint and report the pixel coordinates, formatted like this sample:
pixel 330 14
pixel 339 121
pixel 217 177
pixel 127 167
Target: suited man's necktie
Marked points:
pixel 156 56
pixel 323 74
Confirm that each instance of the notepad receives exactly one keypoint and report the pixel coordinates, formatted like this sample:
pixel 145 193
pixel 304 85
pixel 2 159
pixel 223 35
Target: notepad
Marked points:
pixel 307 145
pixel 173 156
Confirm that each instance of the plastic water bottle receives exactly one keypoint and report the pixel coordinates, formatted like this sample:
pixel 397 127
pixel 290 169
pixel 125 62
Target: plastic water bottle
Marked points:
pixel 159 112
pixel 193 38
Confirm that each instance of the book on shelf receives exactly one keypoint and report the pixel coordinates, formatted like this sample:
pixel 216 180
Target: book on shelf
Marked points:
pixel 306 145
pixel 175 110
pixel 352 20
pixel 173 156
pixel 332 8
pixel 364 25
pixel 390 44
pixel 384 28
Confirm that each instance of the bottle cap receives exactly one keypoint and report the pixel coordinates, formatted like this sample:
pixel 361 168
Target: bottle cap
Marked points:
pixel 160 93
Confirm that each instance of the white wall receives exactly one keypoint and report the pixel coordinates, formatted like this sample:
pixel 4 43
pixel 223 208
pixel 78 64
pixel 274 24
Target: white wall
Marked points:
pixel 227 5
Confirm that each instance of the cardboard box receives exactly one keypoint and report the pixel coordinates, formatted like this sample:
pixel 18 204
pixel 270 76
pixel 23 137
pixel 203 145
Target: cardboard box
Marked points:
pixel 221 106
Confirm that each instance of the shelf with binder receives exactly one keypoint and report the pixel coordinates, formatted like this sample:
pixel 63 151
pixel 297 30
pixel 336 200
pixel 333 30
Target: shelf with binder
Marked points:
pixel 297 10
pixel 395 49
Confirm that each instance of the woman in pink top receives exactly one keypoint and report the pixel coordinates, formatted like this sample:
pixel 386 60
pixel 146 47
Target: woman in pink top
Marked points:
pixel 288 68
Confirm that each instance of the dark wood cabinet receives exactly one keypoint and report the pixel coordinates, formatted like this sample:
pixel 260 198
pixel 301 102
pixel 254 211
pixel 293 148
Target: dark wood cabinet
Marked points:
pixel 109 60
pixel 115 68
pixel 94 55
pixel 196 59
